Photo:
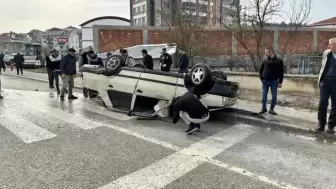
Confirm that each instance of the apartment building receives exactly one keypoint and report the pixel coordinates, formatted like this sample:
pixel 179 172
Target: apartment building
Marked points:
pixel 149 12
pixel 61 39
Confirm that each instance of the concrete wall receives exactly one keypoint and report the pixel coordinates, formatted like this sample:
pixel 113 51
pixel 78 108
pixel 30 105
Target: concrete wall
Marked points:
pixel 297 90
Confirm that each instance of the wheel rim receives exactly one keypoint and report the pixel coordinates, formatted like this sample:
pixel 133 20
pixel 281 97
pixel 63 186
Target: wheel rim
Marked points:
pixel 112 62
pixel 198 75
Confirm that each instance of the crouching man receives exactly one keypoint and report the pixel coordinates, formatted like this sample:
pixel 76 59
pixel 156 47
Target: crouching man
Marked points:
pixel 191 110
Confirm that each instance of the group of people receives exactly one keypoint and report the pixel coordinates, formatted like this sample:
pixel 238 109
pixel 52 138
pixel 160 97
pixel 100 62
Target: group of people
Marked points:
pixel 66 68
pixel 272 74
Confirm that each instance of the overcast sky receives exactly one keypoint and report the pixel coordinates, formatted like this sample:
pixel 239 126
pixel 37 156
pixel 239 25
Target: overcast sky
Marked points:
pixel 24 15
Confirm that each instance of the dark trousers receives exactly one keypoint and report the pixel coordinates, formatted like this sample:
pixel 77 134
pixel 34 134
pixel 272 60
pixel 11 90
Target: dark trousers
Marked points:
pixel 19 68
pixel 50 77
pixel 56 76
pixel 266 85
pixel 327 90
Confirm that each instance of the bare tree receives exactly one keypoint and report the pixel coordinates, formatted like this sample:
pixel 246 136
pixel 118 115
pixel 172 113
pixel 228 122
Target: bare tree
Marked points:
pixel 185 22
pixel 249 23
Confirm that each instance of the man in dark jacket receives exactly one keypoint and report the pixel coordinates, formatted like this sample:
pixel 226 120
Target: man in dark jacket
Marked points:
pixel 2 56
pixel 147 59
pixel 327 84
pixel 90 58
pixel 3 66
pixel 53 68
pixel 68 73
pixel 191 110
pixel 271 74
pixel 165 61
pixel 183 63
pixel 19 60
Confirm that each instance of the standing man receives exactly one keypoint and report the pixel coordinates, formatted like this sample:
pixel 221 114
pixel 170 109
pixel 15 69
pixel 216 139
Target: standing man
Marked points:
pixel 19 61
pixel 327 83
pixel 271 74
pixel 2 56
pixel 128 60
pixel 183 63
pixel 91 58
pixel 68 73
pixel 165 61
pixel 2 65
pixel 147 59
pixel 53 69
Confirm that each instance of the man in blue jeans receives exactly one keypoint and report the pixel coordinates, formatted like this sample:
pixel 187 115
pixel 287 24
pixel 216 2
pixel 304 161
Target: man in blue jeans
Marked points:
pixel 271 74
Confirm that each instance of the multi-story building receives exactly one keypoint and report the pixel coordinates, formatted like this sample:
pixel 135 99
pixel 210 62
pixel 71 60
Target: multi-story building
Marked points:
pixel 12 42
pixel 60 39
pixel 151 12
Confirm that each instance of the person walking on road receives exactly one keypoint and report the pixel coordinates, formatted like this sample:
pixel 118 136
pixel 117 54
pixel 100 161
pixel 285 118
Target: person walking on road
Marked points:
pixel 90 58
pixel 271 74
pixel 19 61
pixel 53 68
pixel 191 110
pixel 3 66
pixel 68 74
pixel 2 56
pixel 183 62
pixel 147 59
pixel 165 61
pixel 327 84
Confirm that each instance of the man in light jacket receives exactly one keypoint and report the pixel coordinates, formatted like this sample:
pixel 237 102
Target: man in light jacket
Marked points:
pixel 327 84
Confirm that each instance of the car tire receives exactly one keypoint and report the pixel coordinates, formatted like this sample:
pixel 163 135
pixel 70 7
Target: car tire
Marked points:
pixel 200 73
pixel 202 89
pixel 140 66
pixel 113 63
pixel 219 74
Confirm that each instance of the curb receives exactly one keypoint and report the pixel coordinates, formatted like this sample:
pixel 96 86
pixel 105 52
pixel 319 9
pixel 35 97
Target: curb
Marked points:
pixel 35 79
pixel 234 115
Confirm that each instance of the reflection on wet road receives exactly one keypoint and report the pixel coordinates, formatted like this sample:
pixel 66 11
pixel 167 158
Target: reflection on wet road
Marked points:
pixel 79 144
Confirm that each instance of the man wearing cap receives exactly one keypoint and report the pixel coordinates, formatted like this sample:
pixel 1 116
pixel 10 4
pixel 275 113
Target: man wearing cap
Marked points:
pixel 90 58
pixel 327 83
pixel 68 73
pixel 147 59
pixel 165 61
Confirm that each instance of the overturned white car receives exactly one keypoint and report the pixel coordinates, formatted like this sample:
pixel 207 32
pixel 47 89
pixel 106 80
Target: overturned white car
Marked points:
pixel 141 92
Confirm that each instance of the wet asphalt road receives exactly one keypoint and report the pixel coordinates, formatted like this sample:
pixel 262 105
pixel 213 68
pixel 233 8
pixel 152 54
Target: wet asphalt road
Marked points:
pixel 80 144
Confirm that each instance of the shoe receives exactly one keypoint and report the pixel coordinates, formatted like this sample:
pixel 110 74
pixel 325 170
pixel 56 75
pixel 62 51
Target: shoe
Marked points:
pixel 62 98
pixel 86 95
pixel 331 130
pixel 198 126
pixel 262 111
pixel 1 97
pixel 191 125
pixel 72 97
pixel 191 129
pixel 272 112
pixel 319 130
pixel 58 93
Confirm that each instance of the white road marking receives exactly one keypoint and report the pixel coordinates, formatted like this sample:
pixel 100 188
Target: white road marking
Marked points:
pixel 167 170
pixel 77 120
pixel 27 131
pixel 252 175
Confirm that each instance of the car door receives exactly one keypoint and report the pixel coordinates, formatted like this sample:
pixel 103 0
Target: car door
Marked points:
pixel 121 89
pixel 153 84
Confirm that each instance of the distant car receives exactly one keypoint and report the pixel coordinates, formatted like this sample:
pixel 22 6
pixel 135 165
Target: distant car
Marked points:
pixel 138 91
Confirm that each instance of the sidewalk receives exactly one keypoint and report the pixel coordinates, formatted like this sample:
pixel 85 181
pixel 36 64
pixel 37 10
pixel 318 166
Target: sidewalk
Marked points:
pixel 39 77
pixel 288 117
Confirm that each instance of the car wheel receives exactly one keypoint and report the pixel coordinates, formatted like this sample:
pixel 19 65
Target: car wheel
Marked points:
pixel 219 74
pixel 140 66
pixel 113 63
pixel 202 89
pixel 200 73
